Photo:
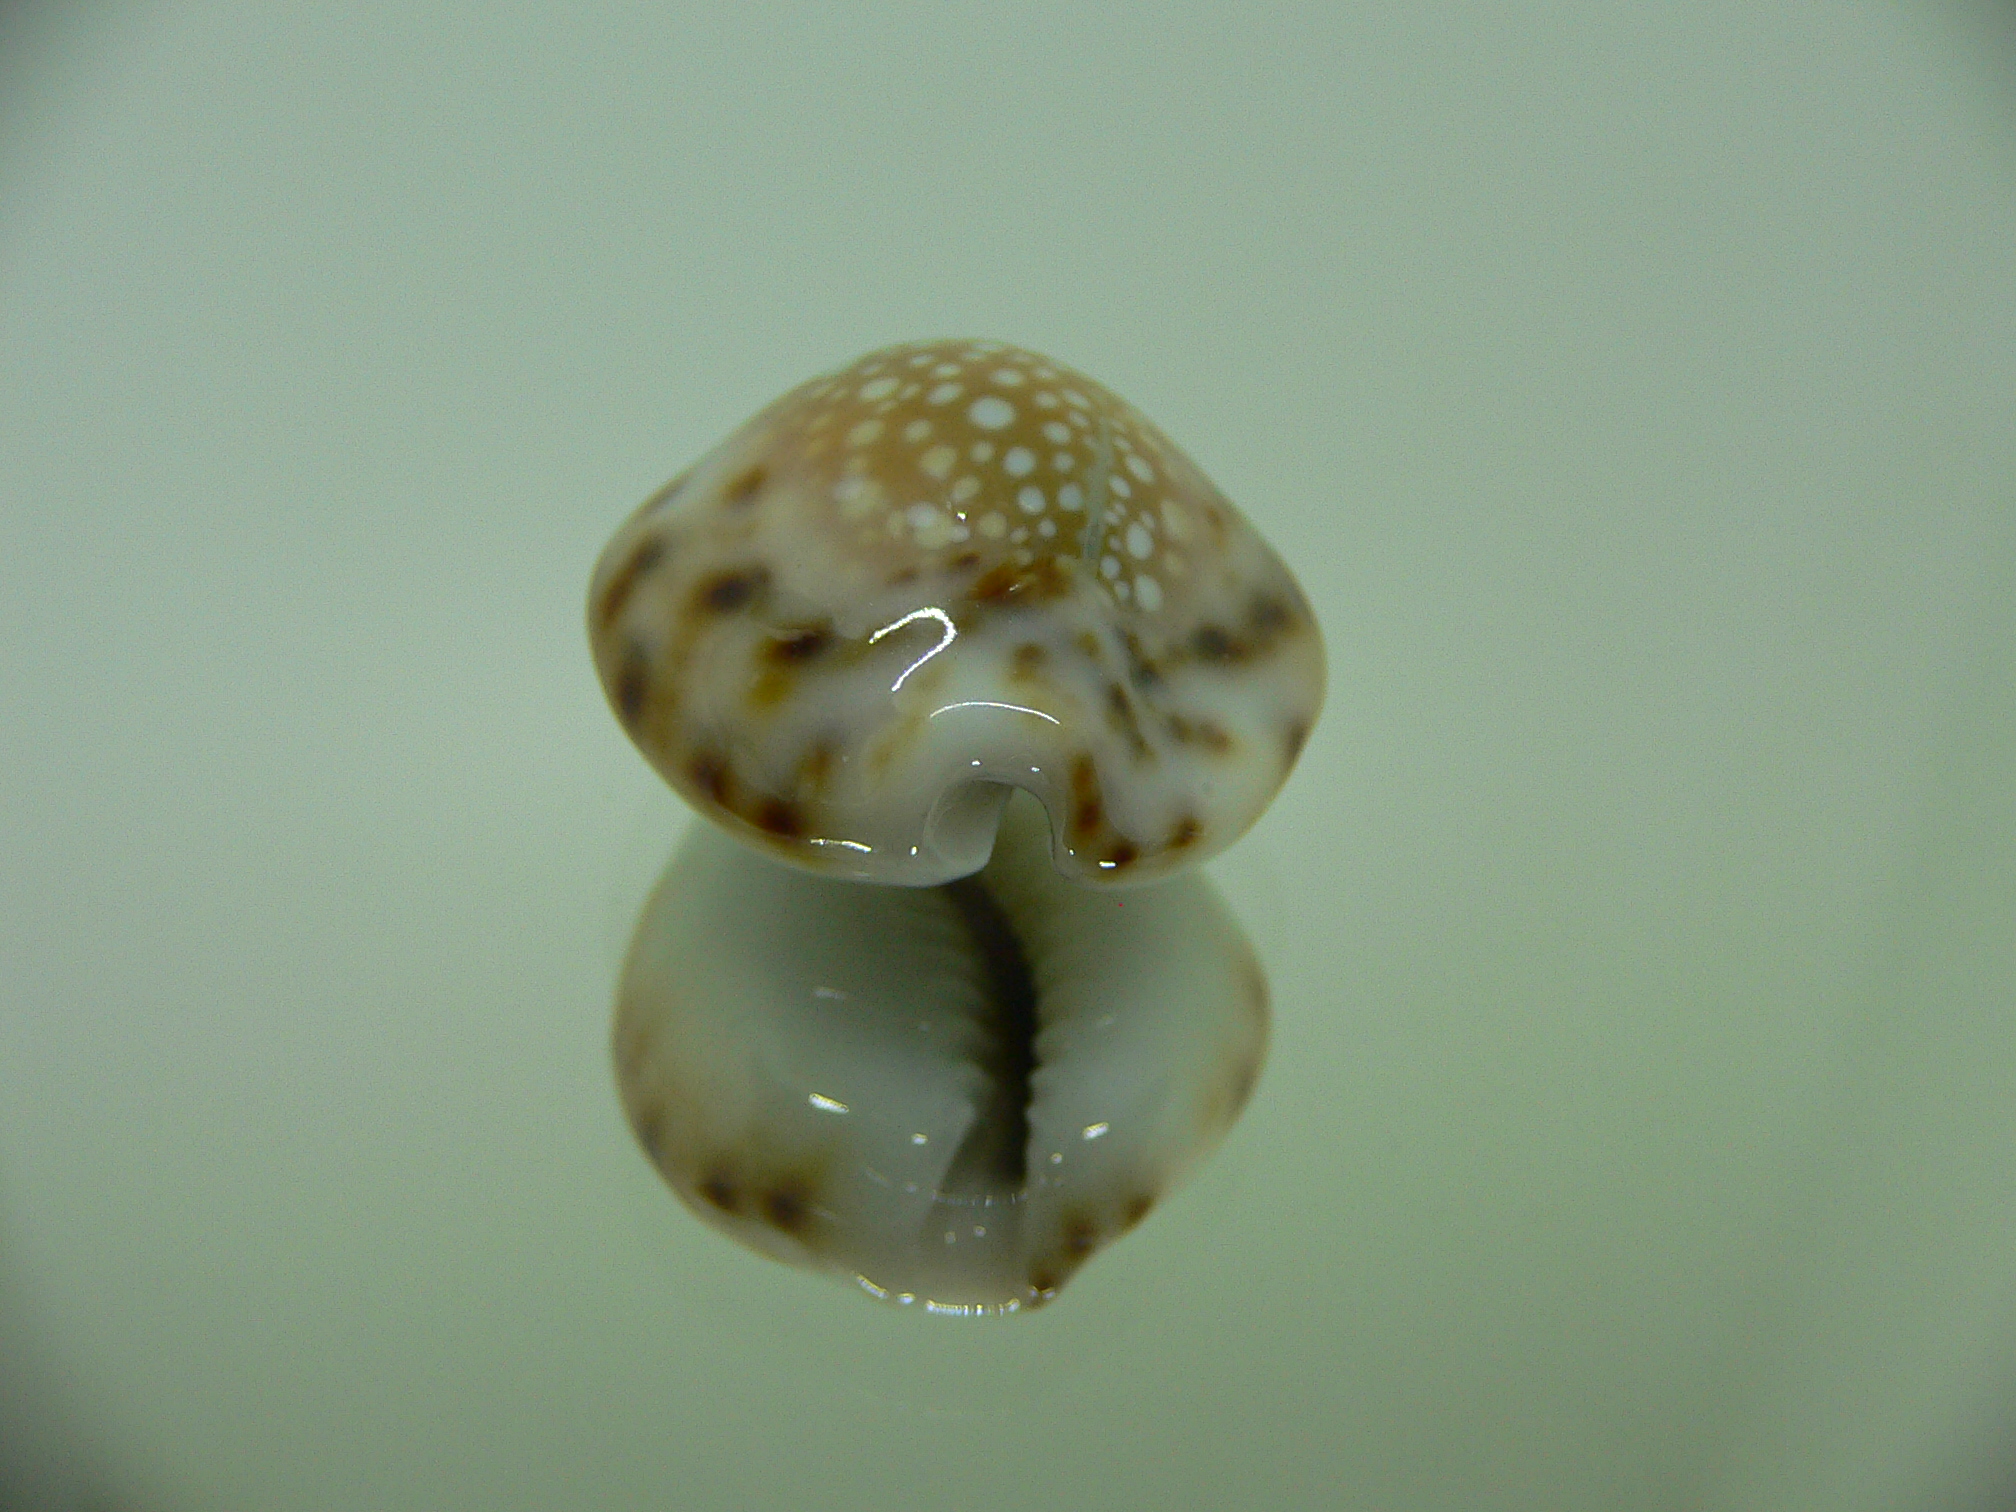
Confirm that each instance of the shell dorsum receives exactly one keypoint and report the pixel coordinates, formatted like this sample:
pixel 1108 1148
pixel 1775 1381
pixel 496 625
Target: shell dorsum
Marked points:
pixel 950 570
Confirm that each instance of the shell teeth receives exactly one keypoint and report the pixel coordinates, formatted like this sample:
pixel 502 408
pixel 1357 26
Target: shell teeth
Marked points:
pixel 952 1097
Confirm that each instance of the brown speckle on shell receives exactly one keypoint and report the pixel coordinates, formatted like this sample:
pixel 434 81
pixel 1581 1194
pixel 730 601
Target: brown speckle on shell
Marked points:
pixel 1120 711
pixel 632 686
pixel 1023 586
pixel 778 816
pixel 1081 1236
pixel 1268 615
pixel 1293 738
pixel 720 1190
pixel 815 769
pixel 1141 669
pixel 1087 815
pixel 649 553
pixel 1243 1080
pixel 1214 643
pixel 1028 660
pixel 1204 734
pixel 725 592
pixel 796 647
pixel 787 1206
pixel 1257 993
pixel 709 773
pixel 743 488
pixel 648 1123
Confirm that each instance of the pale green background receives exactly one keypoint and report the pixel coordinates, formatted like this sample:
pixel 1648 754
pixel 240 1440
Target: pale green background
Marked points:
pixel 1634 390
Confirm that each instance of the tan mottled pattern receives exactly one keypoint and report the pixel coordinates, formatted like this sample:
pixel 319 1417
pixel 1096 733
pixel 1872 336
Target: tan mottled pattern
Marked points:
pixel 950 570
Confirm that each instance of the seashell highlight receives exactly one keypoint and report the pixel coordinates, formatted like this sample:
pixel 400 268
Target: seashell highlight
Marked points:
pixel 952 1096
pixel 947 571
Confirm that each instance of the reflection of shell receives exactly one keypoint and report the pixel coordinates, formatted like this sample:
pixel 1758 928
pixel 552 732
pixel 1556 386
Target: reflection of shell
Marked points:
pixel 953 1095
pixel 950 570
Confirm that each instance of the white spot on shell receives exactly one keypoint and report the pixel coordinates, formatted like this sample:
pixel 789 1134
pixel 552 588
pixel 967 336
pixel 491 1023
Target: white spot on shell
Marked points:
pixel 982 451
pixel 1140 469
pixel 1120 486
pixel 1046 527
pixel 1019 462
pixel 857 497
pixel 991 412
pixel 1076 400
pixel 1138 542
pixel 1109 567
pixel 993 526
pixel 931 526
pixel 1030 499
pixel 1063 461
pixel 916 430
pixel 965 488
pixel 1070 496
pixel 1007 377
pixel 945 393
pixel 865 432
pixel 1056 432
pixel 878 388
pixel 938 461
pixel 1176 520
pixel 1147 593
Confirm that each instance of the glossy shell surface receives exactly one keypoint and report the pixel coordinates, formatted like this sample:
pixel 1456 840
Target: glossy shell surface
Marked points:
pixel 951 1096
pixel 947 571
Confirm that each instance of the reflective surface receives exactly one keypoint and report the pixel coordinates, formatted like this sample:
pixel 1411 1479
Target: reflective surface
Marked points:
pixel 954 1096
pixel 1631 393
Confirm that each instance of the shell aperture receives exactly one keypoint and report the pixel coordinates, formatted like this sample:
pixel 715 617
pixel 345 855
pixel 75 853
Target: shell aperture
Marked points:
pixel 953 1095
